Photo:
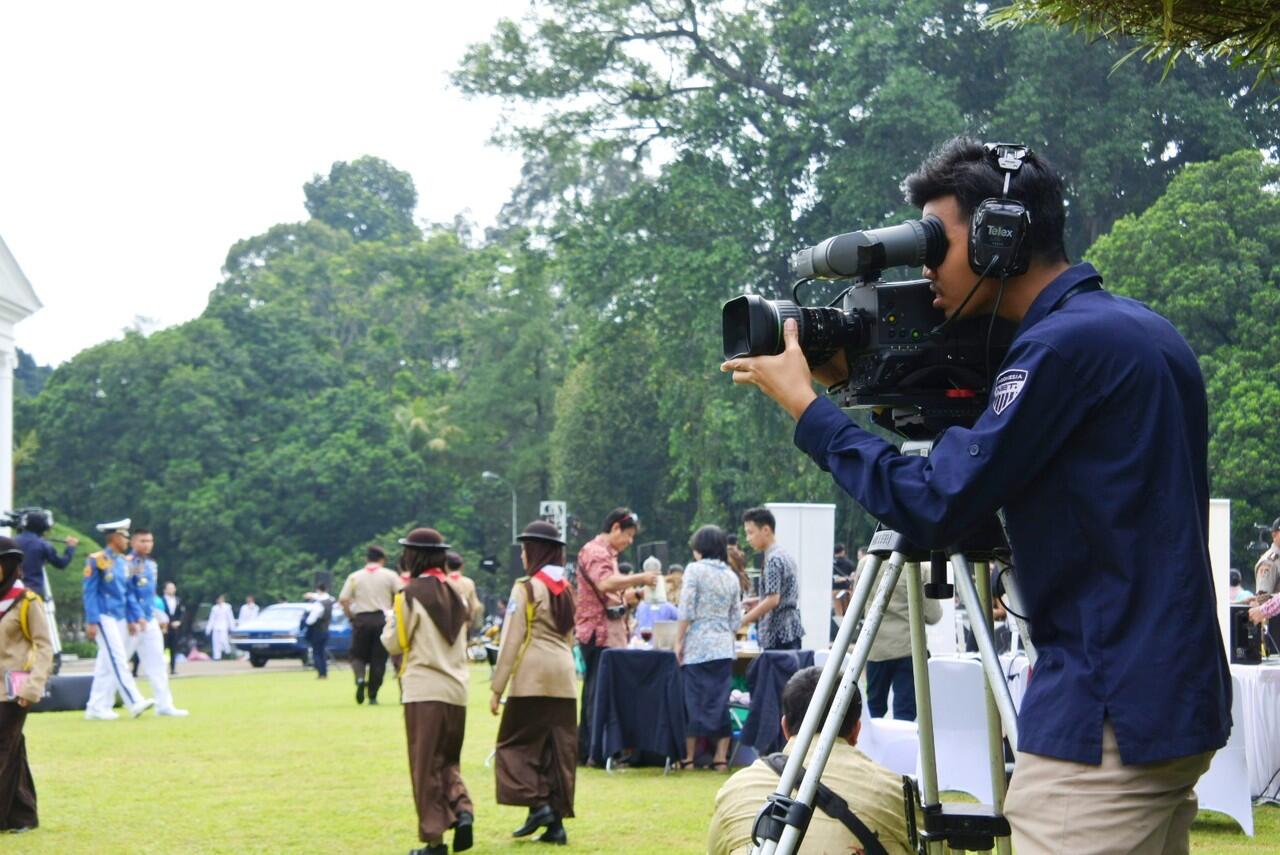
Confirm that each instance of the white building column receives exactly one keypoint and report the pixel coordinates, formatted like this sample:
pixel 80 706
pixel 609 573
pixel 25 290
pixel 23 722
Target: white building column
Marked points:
pixel 17 301
pixel 808 533
pixel 8 362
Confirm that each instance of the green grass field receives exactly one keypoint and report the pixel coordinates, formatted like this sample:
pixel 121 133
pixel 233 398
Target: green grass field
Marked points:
pixel 280 762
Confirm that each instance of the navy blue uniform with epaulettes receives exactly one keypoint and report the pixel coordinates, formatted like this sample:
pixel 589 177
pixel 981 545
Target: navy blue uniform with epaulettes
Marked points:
pixel 1095 444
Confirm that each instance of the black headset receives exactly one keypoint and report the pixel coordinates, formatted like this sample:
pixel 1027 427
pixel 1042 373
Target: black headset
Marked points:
pixel 998 228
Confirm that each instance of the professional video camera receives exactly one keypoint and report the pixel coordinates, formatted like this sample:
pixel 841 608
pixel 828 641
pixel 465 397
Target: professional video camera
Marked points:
pixel 27 519
pixel 922 372
pixel 1263 533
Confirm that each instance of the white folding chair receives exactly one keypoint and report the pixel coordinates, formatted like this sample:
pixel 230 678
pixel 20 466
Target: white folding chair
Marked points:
pixel 960 726
pixel 895 745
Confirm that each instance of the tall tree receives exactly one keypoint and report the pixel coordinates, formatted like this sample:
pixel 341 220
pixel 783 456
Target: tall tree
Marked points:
pixel 368 199
pixel 1246 32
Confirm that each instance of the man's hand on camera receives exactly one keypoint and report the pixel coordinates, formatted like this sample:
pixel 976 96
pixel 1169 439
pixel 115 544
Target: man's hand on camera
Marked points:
pixel 785 378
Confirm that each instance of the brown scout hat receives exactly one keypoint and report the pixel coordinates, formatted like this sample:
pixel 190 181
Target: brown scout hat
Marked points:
pixel 424 538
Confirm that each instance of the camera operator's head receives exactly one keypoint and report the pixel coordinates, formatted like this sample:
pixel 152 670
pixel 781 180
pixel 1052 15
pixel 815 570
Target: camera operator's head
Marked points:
pixel 1275 533
pixel 798 694
pixel 951 185
pixel 619 528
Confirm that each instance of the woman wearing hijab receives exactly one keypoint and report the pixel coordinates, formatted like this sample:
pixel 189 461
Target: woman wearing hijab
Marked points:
pixel 710 612
pixel 26 656
pixel 427 629
pixel 537 752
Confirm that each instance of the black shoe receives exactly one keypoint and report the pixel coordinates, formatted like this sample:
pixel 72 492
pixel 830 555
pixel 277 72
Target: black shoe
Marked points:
pixel 359 691
pixel 438 849
pixel 538 817
pixel 555 833
pixel 462 831
pixel 373 700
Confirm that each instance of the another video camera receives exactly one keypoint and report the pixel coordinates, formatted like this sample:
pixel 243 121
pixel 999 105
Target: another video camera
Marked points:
pixel 37 520
pixel 1263 532
pixel 903 355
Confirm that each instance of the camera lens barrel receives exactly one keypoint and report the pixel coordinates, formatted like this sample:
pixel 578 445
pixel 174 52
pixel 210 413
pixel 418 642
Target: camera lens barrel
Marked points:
pixel 866 253
pixel 752 326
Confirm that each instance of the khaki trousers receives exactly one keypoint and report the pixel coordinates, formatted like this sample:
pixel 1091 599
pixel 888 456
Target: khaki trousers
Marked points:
pixel 1057 806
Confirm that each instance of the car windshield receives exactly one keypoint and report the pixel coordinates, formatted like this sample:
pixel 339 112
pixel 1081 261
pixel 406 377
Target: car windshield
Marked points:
pixel 279 616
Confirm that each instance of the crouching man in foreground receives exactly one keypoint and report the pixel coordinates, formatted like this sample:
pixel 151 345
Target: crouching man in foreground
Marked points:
pixel 872 792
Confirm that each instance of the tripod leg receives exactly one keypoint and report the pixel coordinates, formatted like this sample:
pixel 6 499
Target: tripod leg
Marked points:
pixel 968 594
pixel 995 738
pixel 791 836
pixel 924 699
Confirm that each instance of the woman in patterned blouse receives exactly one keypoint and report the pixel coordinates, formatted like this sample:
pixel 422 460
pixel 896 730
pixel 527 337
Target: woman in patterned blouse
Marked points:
pixel 710 612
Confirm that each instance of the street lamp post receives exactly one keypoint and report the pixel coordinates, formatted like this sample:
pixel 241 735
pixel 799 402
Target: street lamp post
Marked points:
pixel 494 476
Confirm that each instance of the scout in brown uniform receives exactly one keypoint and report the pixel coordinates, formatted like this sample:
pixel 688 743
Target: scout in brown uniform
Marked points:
pixel 537 752
pixel 26 656
pixel 454 563
pixel 366 599
pixel 427 628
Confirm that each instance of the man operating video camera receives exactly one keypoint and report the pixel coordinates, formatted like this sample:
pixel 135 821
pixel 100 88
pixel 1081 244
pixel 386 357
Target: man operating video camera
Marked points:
pixel 1093 443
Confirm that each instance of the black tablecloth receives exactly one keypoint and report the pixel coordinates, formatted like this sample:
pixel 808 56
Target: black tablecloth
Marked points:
pixel 766 678
pixel 639 704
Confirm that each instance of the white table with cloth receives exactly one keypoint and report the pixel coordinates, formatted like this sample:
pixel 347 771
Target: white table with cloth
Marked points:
pixel 1260 686
pixel 1260 702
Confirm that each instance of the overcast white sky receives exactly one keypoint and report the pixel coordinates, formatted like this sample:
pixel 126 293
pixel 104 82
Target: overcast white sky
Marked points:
pixel 138 141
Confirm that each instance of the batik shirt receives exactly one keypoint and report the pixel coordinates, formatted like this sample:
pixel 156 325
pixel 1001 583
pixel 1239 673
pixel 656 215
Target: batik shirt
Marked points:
pixel 781 625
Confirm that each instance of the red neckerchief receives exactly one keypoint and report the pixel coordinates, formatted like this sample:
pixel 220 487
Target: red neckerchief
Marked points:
pixel 373 568
pixel 434 571
pixel 11 596
pixel 456 575
pixel 552 585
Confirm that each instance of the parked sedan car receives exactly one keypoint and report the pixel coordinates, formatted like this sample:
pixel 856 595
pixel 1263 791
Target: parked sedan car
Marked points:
pixel 276 633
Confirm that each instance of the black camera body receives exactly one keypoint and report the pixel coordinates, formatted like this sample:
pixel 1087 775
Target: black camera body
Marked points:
pixel 919 372
pixel 38 520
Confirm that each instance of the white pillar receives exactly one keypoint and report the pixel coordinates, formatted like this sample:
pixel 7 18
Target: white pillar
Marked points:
pixel 808 533
pixel 8 361
pixel 1220 561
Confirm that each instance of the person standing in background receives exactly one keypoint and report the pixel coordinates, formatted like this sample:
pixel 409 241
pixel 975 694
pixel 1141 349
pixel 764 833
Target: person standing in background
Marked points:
pixel 454 566
pixel 778 608
pixel 710 614
pixel 146 640
pixel 366 599
pixel 316 624
pixel 218 628
pixel 36 552
pixel 248 610
pixel 842 570
pixel 173 630
pixel 738 561
pixel 26 648
pixel 427 627
pixel 1266 573
pixel 109 616
pixel 600 612
pixel 535 763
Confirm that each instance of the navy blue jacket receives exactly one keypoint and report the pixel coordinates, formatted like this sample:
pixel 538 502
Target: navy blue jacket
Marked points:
pixel 35 552
pixel 1095 444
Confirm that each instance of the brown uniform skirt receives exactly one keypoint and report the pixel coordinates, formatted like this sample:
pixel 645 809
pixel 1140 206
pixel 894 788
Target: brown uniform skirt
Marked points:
pixel 435 731
pixel 537 753
pixel 17 789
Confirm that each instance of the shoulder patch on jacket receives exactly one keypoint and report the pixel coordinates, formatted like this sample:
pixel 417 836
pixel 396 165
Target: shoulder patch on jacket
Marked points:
pixel 1006 388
